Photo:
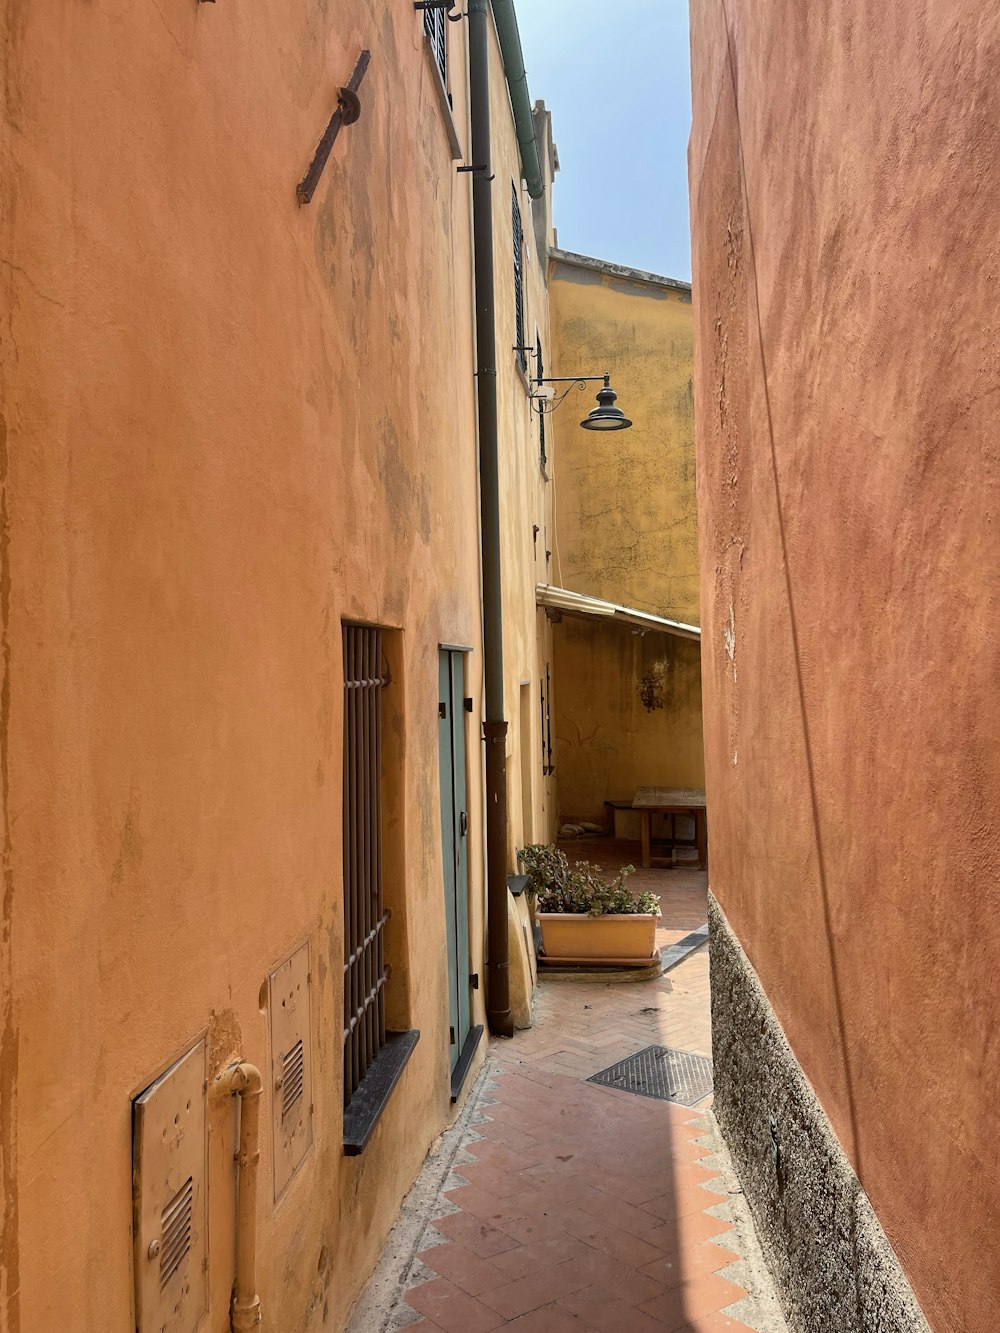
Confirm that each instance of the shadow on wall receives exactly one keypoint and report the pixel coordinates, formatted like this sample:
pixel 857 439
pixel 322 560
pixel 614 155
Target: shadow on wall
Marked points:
pixel 627 714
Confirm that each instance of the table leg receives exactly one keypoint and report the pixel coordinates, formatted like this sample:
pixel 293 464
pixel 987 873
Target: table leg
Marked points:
pixel 647 816
pixel 701 837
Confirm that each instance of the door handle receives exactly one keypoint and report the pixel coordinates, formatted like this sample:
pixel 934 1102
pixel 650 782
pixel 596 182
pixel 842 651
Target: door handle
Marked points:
pixel 463 824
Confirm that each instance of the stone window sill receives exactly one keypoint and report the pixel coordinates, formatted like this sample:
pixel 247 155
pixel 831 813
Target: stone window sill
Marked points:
pixel 372 1097
pixel 451 129
pixel 465 1061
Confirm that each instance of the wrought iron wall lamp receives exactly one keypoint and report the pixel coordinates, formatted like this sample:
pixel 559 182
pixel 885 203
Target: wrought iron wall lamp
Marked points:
pixel 605 416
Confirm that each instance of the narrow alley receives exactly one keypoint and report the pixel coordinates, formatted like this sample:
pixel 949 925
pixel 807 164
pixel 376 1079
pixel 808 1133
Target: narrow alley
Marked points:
pixel 561 1205
pixel 499 747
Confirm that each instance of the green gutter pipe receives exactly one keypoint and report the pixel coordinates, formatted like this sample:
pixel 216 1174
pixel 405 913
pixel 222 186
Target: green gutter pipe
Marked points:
pixel 517 84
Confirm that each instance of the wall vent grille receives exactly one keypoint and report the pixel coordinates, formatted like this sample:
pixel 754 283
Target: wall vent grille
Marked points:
pixel 292 1077
pixel 175 1231
pixel 291 1105
pixel 170 1198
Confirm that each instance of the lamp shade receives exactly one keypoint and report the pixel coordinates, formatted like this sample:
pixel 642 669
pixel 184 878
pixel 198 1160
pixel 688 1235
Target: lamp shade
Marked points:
pixel 606 416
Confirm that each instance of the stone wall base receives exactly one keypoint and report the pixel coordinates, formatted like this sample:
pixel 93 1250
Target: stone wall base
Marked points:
pixel 830 1259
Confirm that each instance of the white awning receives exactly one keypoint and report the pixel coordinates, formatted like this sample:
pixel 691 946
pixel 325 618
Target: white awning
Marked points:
pixel 593 608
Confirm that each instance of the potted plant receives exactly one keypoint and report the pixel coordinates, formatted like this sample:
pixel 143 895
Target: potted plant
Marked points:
pixel 586 919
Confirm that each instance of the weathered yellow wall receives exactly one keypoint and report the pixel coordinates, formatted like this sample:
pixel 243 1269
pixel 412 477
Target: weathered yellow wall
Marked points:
pixel 525 491
pixel 625 500
pixel 229 423
pixel 626 532
pixel 608 739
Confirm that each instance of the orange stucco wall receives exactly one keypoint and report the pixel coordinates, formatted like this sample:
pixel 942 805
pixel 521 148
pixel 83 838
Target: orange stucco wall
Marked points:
pixel 844 197
pixel 229 423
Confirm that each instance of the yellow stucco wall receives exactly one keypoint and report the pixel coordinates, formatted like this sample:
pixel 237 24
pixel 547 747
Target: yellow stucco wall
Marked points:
pixel 628 714
pixel 627 707
pixel 625 500
pixel 525 489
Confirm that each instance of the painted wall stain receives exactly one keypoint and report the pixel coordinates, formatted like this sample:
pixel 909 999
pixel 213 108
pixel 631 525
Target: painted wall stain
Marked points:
pixel 225 1040
pixel 129 857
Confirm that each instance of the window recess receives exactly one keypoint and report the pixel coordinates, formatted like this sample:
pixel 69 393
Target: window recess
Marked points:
pixel 374 1057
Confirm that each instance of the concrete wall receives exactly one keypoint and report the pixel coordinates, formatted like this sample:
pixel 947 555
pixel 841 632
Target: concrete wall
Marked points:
pixel 844 197
pixel 627 708
pixel 228 423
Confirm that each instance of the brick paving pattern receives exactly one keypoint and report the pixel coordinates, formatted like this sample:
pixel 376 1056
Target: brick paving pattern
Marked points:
pixel 578 1208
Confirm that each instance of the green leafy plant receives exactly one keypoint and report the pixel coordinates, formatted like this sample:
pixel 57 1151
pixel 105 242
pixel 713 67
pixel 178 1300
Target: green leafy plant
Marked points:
pixel 559 887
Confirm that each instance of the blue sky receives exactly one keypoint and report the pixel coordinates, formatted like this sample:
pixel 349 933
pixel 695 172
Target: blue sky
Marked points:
pixel 617 80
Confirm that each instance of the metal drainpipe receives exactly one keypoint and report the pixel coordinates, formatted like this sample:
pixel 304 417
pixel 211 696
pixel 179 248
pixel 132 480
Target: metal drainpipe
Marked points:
pixel 495 726
pixel 244 1080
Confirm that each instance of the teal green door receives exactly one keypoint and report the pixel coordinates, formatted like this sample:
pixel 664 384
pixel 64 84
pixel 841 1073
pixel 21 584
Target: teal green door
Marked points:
pixel 455 843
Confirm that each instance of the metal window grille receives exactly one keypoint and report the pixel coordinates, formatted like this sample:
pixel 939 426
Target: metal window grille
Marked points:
pixel 548 721
pixel 517 232
pixel 545 697
pixel 365 972
pixel 542 728
pixel 436 28
pixel 540 374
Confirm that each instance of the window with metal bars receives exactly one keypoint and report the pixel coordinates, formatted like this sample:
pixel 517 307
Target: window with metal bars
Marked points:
pixel 545 692
pixel 540 374
pixel 374 1055
pixel 436 29
pixel 517 233
pixel 365 972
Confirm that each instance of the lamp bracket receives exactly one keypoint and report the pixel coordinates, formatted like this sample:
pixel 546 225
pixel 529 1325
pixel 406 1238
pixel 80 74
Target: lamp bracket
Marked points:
pixel 447 5
pixel 546 408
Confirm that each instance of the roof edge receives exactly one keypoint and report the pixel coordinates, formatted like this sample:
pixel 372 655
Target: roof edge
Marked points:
pixel 596 608
pixel 617 270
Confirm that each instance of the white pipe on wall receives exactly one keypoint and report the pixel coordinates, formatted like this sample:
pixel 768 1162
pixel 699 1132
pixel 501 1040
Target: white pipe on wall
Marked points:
pixel 244 1080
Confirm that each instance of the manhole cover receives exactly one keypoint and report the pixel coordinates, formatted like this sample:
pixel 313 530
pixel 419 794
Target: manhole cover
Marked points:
pixel 658 1071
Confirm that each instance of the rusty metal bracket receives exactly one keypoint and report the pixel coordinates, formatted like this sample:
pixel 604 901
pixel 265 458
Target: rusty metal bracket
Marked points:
pixel 477 171
pixel 347 112
pixel 446 5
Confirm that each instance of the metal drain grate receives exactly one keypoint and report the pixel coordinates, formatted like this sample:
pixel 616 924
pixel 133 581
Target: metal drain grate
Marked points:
pixel 662 1073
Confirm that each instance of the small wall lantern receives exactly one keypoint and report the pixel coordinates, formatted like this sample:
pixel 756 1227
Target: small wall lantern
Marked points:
pixel 605 416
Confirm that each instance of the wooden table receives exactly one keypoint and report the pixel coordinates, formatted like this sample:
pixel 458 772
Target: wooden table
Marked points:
pixel 650 801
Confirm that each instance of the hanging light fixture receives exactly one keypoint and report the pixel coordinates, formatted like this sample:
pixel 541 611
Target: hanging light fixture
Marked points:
pixel 606 416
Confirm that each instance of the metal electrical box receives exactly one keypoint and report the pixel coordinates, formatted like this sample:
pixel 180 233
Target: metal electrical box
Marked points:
pixel 291 1065
pixel 170 1198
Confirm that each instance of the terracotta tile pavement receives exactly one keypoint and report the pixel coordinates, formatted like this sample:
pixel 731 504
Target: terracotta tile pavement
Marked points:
pixel 576 1208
